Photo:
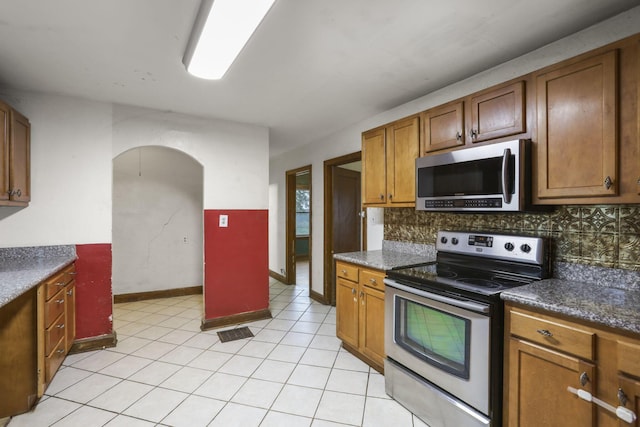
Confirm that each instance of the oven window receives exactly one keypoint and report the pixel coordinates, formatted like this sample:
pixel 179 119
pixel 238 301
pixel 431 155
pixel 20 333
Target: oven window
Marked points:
pixel 437 337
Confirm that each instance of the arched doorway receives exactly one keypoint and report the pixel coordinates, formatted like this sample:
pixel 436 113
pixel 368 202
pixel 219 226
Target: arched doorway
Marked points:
pixel 157 229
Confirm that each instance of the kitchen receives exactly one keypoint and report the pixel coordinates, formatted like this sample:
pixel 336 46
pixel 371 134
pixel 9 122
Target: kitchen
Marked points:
pixel 114 128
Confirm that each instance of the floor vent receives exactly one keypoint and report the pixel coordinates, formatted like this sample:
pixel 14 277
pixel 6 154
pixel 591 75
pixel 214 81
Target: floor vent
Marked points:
pixel 235 334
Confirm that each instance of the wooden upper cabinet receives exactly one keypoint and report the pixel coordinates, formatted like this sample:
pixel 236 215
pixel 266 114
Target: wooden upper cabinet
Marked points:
pixel 374 166
pixel 15 164
pixel 402 151
pixel 388 163
pixel 20 164
pixel 443 127
pixel 497 113
pixel 577 129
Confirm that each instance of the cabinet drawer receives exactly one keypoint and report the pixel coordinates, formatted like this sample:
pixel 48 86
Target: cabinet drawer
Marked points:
pixel 629 358
pixel 53 361
pixel 53 334
pixel 57 282
pixel 347 271
pixel 53 308
pixel 561 336
pixel 372 279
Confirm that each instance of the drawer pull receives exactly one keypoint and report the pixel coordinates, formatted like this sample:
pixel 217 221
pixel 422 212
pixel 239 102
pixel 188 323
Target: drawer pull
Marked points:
pixel 60 301
pixel 374 281
pixel 60 351
pixel 60 326
pixel 60 284
pixel 344 271
pixel 544 332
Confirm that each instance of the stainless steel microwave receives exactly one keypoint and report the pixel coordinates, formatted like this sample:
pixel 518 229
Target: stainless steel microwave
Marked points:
pixel 494 177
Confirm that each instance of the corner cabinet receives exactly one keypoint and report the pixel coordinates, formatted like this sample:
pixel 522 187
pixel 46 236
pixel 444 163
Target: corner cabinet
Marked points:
pixel 547 356
pixel 388 163
pixel 360 312
pixel 15 163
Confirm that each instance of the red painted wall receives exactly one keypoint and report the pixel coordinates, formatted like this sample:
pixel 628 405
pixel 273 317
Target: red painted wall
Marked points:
pixel 236 270
pixel 94 302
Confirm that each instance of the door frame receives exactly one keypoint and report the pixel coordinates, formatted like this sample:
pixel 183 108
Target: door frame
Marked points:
pixel 329 287
pixel 290 239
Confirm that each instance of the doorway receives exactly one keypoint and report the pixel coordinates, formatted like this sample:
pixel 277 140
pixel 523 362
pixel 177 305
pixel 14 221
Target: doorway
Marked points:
pixel 298 239
pixel 344 228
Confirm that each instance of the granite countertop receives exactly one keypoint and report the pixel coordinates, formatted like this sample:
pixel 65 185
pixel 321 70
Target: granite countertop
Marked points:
pixel 23 268
pixel 384 259
pixel 616 308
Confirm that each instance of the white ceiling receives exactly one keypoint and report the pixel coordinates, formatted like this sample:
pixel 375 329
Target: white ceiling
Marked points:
pixel 313 66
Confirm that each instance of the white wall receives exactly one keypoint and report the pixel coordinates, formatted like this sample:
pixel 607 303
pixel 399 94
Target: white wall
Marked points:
pixel 74 141
pixel 157 221
pixel 70 173
pixel 348 140
pixel 234 155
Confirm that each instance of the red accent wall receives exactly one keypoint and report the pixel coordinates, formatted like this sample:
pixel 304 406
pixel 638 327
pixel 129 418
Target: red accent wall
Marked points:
pixel 236 271
pixel 94 302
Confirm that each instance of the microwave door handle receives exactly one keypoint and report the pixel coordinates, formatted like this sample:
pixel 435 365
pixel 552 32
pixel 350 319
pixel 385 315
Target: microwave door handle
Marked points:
pixel 506 194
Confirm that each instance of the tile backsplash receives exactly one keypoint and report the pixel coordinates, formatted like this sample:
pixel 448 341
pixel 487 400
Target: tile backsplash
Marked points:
pixel 603 236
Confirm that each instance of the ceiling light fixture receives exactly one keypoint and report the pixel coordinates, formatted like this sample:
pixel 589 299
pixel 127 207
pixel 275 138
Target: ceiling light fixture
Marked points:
pixel 221 30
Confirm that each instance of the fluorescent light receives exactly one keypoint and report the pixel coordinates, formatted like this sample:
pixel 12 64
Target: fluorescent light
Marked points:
pixel 221 30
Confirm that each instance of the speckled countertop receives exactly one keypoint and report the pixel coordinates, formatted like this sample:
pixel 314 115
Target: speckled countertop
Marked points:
pixel 23 268
pixel 616 308
pixel 384 259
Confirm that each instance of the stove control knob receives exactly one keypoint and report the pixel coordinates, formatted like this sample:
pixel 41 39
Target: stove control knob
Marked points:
pixel 443 240
pixel 525 248
pixel 454 240
pixel 509 246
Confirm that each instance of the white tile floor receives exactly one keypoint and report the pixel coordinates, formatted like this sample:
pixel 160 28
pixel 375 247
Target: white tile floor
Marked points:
pixel 166 372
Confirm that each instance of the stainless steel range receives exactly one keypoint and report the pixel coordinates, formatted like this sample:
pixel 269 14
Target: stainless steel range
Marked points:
pixel 444 326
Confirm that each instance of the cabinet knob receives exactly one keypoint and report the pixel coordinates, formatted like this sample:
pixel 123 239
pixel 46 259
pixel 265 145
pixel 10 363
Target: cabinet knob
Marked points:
pixel 344 272
pixel 18 193
pixel 353 291
pixel 584 379
pixel 382 197
pixel 458 136
pixel 390 196
pixel 638 182
pixel 473 133
pixel 545 332
pixel 608 182
pixel 622 397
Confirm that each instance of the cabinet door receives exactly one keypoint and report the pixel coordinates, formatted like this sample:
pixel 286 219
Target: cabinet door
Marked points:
pixel 443 127
pixel 402 151
pixel 347 311
pixel 538 381
pixel 577 129
pixel 497 113
pixel 20 161
pixel 374 177
pixel 5 122
pixel 372 324
pixel 629 397
pixel 70 314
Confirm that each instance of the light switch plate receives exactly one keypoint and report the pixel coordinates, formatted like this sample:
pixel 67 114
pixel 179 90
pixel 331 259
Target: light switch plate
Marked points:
pixel 224 221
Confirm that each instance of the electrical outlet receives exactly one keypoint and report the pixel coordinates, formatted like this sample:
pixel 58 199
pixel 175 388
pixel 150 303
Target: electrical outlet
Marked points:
pixel 184 240
pixel 224 221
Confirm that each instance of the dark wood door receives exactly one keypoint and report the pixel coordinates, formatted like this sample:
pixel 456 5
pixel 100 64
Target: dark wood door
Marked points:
pixel 346 210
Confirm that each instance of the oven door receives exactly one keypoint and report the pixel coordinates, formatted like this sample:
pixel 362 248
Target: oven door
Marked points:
pixel 443 339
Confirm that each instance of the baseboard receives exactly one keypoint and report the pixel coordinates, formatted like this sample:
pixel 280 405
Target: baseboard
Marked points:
pixel 278 277
pixel 167 293
pixel 234 319
pixel 94 343
pixel 318 297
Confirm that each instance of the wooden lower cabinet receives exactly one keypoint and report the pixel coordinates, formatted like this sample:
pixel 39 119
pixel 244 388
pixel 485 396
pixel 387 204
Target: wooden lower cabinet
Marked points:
pixel 56 323
pixel 360 312
pixel 546 354
pixel 538 383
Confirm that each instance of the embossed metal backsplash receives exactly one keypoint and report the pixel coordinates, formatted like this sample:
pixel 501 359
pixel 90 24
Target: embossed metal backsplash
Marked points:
pixel 605 236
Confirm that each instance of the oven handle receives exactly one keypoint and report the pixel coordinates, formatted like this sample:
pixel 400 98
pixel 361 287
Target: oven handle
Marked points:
pixel 469 305
pixel 506 194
